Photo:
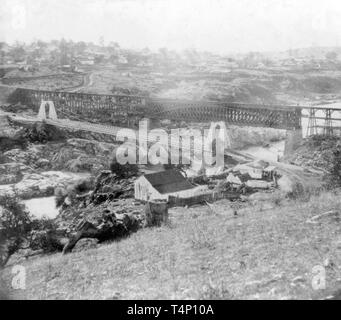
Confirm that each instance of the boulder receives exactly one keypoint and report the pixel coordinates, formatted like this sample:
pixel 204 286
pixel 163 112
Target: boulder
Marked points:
pixel 109 187
pixel 7 143
pixel 35 185
pixel 109 226
pixel 14 168
pixel 258 184
pixel 9 179
pixel 5 128
pixel 27 157
pixel 47 240
pixel 43 164
pixel 85 244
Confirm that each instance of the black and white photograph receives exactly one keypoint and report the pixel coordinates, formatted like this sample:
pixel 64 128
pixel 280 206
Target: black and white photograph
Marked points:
pixel 170 150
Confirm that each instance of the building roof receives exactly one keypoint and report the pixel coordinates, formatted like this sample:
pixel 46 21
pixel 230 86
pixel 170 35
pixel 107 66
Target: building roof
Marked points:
pixel 168 181
pixel 270 168
pixel 233 179
pixel 238 178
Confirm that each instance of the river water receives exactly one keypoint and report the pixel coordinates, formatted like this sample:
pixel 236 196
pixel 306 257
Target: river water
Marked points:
pixel 45 207
pixel 271 153
pixel 42 207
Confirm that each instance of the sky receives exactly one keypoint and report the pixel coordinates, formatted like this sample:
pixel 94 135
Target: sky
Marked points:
pixel 221 26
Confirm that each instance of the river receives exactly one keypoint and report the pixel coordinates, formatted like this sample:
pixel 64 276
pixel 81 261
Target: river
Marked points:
pixel 45 207
pixel 271 153
pixel 42 207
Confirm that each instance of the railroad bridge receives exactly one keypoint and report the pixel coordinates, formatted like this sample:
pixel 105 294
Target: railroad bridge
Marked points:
pixel 109 109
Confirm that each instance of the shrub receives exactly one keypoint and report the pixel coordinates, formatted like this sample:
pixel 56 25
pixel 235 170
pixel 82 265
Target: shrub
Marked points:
pixel 17 228
pixel 42 133
pixel 334 175
pixel 45 236
pixel 3 159
pixel 123 170
pixel 15 223
pixel 72 192
pixel 60 196
pixel 11 143
pixel 20 96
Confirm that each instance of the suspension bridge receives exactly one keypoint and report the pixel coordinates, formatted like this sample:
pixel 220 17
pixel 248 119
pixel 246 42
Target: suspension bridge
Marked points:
pixel 108 110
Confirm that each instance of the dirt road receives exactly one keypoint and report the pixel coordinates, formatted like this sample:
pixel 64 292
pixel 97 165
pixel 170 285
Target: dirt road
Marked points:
pixel 308 178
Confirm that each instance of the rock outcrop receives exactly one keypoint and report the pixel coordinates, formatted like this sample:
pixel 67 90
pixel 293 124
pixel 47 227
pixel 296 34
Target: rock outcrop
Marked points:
pixel 315 152
pixel 5 128
pixel 37 185
pixel 110 226
pixel 74 155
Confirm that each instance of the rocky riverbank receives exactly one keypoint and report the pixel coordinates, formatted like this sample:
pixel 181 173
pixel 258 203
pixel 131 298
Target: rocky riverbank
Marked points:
pixel 316 152
pixel 40 168
pixel 32 170
pixel 38 185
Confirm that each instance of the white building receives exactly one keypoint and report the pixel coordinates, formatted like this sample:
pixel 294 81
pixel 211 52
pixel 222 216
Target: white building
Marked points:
pixel 161 185
pixel 254 169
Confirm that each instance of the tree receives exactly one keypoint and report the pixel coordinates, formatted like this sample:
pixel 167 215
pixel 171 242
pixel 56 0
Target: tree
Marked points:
pixel 41 45
pixel 80 47
pixel 99 58
pixel 123 170
pixel 113 48
pixel 18 53
pixel 2 56
pixel 14 226
pixel 101 41
pixel 37 53
pixel 250 59
pixel 192 56
pixel 54 57
pixel 113 44
pixel 331 55
pixel 2 52
pixel 64 50
pixel 334 176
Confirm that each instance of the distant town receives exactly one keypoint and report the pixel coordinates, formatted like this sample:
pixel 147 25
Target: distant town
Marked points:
pixel 67 55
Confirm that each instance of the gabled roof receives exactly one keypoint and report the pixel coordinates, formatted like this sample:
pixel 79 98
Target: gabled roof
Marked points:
pixel 168 181
pixel 233 179
pixel 237 177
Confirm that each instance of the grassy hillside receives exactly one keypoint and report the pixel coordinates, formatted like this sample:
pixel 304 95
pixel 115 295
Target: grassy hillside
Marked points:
pixel 267 251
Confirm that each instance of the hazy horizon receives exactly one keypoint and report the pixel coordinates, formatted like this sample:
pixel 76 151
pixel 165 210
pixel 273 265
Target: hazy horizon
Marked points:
pixel 218 26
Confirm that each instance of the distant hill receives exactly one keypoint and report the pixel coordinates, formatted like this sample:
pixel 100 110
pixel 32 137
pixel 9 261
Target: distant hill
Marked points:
pixel 310 52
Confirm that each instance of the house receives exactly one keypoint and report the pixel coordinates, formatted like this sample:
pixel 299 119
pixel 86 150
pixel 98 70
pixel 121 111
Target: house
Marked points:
pixel 254 169
pixel 270 173
pixel 26 67
pixel 237 180
pixel 67 68
pixel 258 184
pixel 161 185
pixel 234 180
pixel 122 60
pixel 255 175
